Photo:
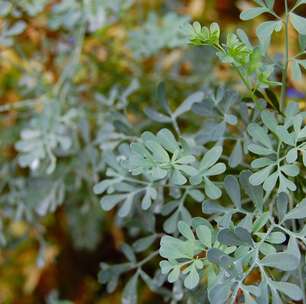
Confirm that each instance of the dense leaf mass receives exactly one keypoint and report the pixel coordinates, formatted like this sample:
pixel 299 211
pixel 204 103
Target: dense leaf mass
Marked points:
pixel 201 184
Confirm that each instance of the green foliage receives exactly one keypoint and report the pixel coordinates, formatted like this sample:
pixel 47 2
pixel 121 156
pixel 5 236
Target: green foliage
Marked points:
pixel 237 157
pixel 202 35
pixel 249 225
pixel 190 256
pixel 208 167
pixel 155 35
pixel 9 30
pixel 46 134
pixel 95 13
pixel 238 52
pixel 53 299
pixel 151 158
pixel 280 154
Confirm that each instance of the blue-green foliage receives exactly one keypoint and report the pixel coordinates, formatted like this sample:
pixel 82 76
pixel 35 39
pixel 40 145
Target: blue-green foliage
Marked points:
pixel 253 221
pixel 155 35
pixel 235 156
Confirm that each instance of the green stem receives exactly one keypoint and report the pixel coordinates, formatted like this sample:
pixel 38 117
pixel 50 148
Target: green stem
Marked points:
pixel 176 126
pixel 255 263
pixel 289 232
pixel 23 104
pixel 70 68
pixel 299 271
pixel 137 181
pixel 298 55
pixel 295 7
pixel 244 80
pixel 301 279
pixel 286 60
pixel 147 259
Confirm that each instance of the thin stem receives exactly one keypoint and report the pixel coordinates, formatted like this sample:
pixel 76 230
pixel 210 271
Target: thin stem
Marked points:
pixel 295 6
pixel 22 104
pixel 176 126
pixel 69 70
pixel 147 259
pixel 255 263
pixel 289 232
pixel 182 200
pixel 133 180
pixel 66 74
pixel 300 271
pixel 244 80
pixel 270 10
pixel 298 55
pixel 286 60
pixel 301 279
pixel 137 181
pixel 246 83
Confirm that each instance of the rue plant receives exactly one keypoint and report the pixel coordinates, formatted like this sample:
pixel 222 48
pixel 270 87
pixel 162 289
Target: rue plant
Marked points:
pixel 245 164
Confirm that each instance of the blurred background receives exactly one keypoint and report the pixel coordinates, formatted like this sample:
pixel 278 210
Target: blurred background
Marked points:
pixel 94 57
